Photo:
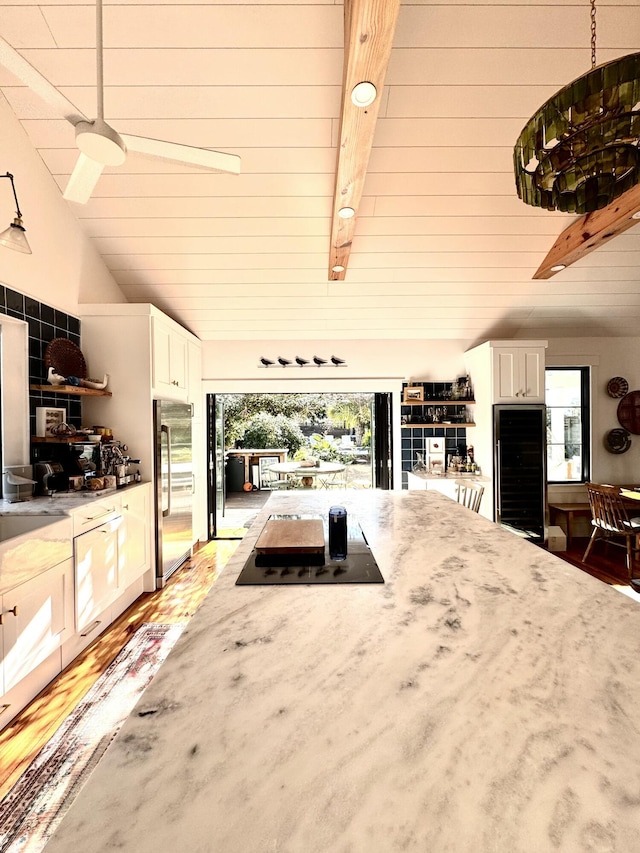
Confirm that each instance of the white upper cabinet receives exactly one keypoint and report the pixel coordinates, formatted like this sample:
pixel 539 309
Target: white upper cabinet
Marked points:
pixel 195 378
pixel 507 372
pixel 170 361
pixel 518 374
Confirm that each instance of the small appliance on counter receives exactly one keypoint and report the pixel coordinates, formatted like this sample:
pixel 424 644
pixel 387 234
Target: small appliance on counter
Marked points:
pixel 50 478
pixel 17 483
pixel 87 460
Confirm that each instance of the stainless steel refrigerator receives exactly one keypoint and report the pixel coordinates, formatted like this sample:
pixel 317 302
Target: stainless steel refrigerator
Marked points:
pixel 520 479
pixel 173 473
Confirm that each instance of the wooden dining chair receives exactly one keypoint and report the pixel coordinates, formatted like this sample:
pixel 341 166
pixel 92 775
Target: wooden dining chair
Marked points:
pixel 611 522
pixel 469 494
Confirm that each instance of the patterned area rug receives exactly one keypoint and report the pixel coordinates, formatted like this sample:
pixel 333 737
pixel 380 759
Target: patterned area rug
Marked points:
pixel 31 811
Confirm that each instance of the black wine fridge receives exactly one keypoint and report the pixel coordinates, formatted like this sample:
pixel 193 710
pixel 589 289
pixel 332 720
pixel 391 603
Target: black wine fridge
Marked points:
pixel 520 486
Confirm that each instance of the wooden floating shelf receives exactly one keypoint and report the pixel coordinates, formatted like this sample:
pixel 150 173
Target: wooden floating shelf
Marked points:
pixel 71 389
pixel 62 439
pixel 433 426
pixel 438 402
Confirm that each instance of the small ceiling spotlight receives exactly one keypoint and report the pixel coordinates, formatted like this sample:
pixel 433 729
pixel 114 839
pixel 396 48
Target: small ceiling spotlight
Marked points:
pixel 346 212
pixel 636 215
pixel 14 236
pixel 558 267
pixel 363 94
pixel 337 268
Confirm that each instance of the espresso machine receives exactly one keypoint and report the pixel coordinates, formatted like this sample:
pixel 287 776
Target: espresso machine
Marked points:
pixel 82 459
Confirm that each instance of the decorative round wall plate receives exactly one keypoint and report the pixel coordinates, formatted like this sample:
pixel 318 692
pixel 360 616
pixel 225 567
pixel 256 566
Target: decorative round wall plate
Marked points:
pixel 66 358
pixel 629 412
pixel 617 387
pixel 617 441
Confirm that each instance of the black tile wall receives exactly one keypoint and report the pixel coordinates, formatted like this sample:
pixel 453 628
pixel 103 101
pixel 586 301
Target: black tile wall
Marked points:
pixel 414 437
pixel 45 324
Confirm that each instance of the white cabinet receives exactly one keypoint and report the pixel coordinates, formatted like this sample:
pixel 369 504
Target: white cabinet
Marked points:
pixel 518 374
pixel 444 485
pixel 36 618
pixel 134 536
pixel 96 572
pixel 150 353
pixel 53 604
pixel 170 361
pixel 508 372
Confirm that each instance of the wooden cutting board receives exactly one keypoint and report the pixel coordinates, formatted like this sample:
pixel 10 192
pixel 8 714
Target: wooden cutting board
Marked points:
pixel 291 536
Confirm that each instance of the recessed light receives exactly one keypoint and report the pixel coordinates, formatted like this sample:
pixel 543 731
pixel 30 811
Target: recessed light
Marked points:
pixel 337 268
pixel 346 212
pixel 558 267
pixel 363 94
pixel 636 215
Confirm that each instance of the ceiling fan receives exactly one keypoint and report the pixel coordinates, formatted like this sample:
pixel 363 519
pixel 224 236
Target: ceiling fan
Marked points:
pixel 99 144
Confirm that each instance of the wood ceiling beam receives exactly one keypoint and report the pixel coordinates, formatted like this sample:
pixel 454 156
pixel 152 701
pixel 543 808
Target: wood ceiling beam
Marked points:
pixel 369 27
pixel 590 232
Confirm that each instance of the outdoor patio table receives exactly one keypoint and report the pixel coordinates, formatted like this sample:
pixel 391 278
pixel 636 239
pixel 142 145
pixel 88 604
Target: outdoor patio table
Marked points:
pixel 305 473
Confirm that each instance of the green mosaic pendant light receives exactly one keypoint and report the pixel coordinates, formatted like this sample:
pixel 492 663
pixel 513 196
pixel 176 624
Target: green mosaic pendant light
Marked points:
pixel 580 150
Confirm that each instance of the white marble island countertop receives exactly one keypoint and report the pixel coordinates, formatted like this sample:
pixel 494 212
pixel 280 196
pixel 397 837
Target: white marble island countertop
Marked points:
pixel 485 698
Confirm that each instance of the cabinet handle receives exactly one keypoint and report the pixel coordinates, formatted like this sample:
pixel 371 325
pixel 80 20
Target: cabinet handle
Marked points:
pixel 91 628
pixel 13 610
pixel 101 514
pixel 125 506
pixel 5 707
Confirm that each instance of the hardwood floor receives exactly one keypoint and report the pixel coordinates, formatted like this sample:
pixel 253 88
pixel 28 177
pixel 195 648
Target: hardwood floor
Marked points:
pixel 606 562
pixel 24 736
pixel 22 739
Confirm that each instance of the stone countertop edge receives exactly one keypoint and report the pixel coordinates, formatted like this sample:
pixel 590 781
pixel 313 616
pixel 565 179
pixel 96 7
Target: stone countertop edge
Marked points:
pixel 60 503
pixel 484 698
pixel 453 475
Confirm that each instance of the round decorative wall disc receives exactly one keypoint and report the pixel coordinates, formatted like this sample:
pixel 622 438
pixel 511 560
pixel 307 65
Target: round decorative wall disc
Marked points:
pixel 629 412
pixel 617 441
pixel 617 387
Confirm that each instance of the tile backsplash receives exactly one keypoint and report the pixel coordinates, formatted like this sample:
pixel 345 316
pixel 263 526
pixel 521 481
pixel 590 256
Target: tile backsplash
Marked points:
pixel 45 323
pixel 415 436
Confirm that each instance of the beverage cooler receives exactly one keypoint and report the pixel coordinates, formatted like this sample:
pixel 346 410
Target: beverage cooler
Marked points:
pixel 520 479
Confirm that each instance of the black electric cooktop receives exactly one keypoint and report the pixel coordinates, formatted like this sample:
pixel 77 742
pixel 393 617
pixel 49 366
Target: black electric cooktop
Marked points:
pixel 359 567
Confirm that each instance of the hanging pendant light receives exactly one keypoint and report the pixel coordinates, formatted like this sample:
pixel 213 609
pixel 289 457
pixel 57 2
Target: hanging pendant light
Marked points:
pixel 14 236
pixel 580 150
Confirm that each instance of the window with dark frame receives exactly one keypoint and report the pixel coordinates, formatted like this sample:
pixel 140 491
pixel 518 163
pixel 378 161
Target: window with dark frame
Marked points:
pixel 567 399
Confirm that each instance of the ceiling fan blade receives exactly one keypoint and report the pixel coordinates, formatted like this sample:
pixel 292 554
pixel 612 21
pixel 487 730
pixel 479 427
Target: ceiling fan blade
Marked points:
pixel 24 71
pixel 216 161
pixel 83 179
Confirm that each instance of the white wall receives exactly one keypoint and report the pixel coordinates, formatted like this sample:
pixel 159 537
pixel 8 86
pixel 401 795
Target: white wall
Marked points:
pixel 607 357
pixel 64 270
pixel 435 361
pixel 234 366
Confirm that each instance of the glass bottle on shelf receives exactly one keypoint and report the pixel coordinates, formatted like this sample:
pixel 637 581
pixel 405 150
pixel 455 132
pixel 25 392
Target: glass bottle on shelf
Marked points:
pixel 419 465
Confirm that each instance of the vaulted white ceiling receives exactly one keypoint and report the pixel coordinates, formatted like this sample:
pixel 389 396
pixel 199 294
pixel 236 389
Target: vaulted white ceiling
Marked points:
pixel 443 247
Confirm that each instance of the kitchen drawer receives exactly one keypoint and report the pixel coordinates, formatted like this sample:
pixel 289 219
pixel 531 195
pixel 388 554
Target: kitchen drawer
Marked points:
pixel 93 514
